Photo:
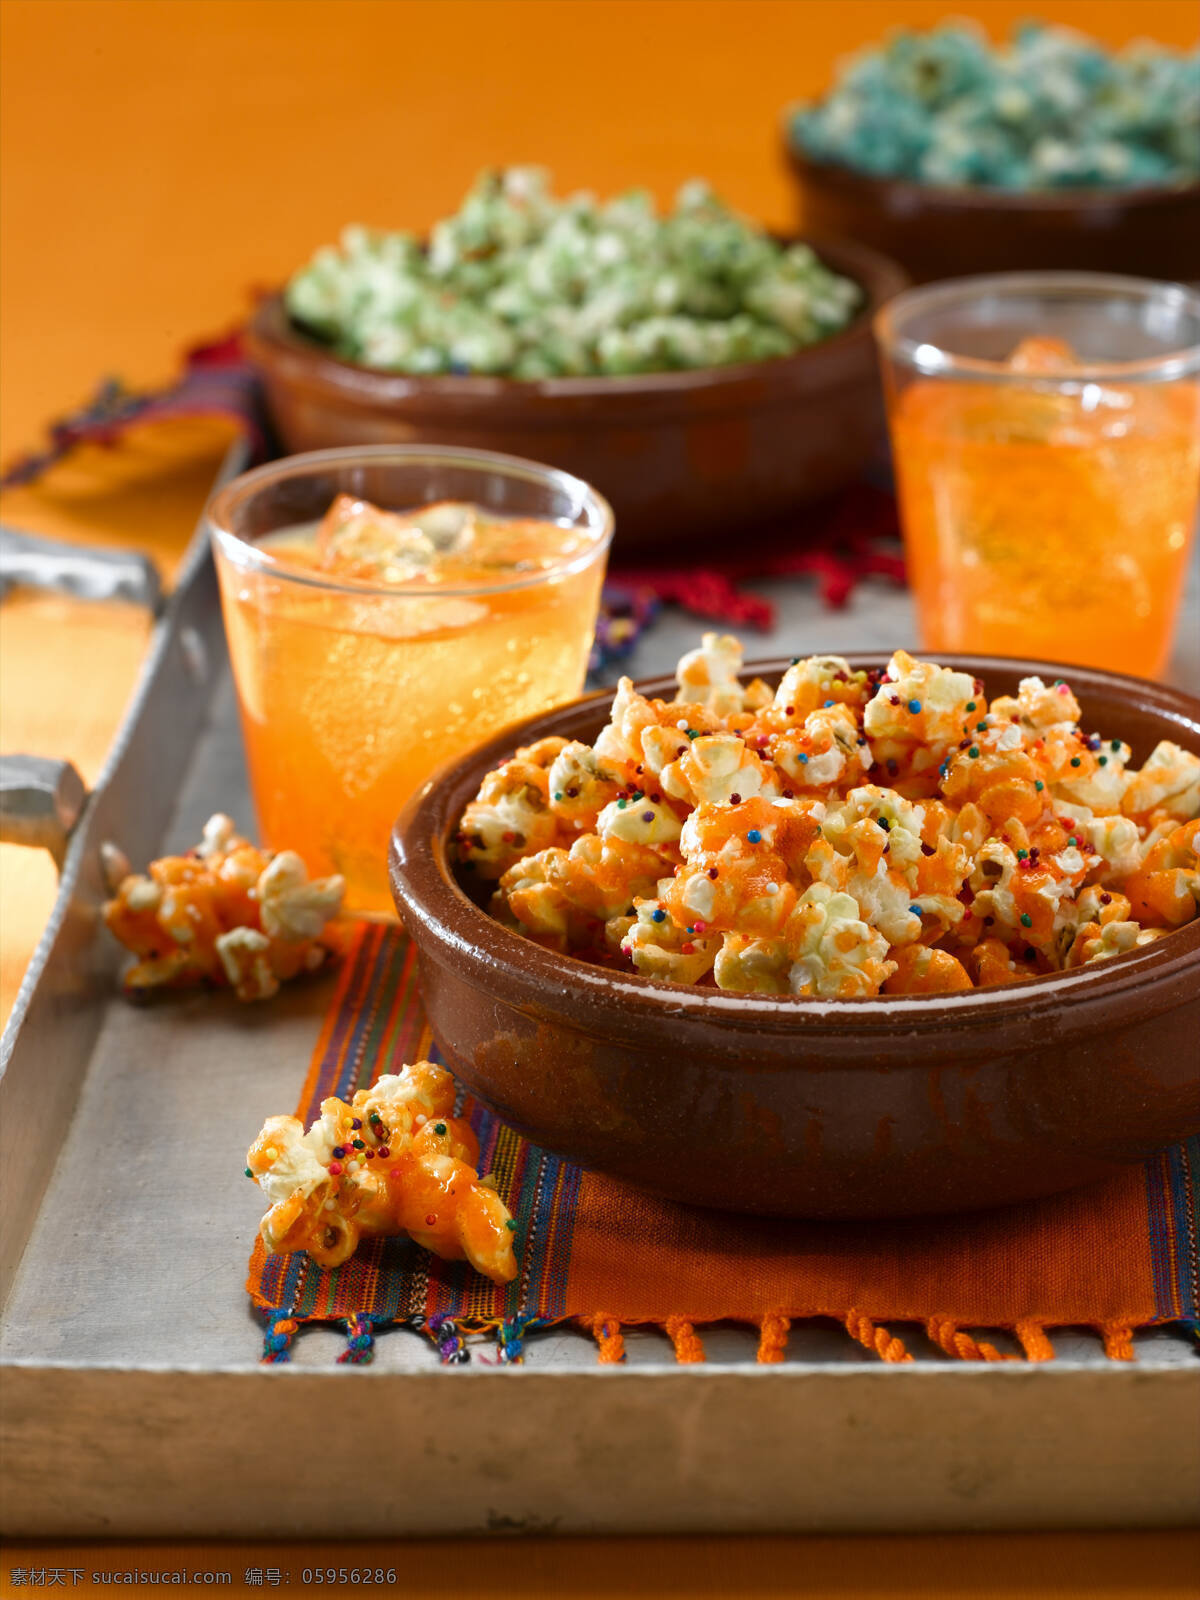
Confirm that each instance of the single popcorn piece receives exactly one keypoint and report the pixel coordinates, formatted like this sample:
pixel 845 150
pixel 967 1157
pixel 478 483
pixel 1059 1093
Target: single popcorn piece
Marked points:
pixel 1081 771
pixel 823 949
pixel 992 962
pixel 604 875
pixel 1098 784
pixel 835 953
pixel 511 816
pixel 226 913
pixel 1038 707
pixel 828 749
pixel 747 964
pixel 872 847
pixel 881 895
pixel 1098 942
pixel 1115 839
pixel 916 718
pixel 659 948
pixel 1168 785
pixel 738 862
pixel 1028 896
pixel 531 894
pixel 218 836
pixel 1092 910
pixel 920 969
pixel 711 676
pixel 1001 781
pixel 737 832
pixel 391 1160
pixel 245 960
pixel 638 820
pixel 717 768
pixel 1165 890
pixel 563 898
pixel 581 784
pixel 292 906
pixel 810 684
pixel 647 733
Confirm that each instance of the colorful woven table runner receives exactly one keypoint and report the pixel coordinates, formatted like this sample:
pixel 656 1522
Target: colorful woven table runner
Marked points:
pixel 1113 1258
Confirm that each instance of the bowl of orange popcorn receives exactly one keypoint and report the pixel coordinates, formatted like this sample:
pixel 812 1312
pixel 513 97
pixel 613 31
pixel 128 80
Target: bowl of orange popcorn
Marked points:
pixel 828 937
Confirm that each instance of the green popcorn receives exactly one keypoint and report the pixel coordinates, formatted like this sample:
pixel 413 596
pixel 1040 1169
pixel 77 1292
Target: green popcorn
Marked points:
pixel 520 284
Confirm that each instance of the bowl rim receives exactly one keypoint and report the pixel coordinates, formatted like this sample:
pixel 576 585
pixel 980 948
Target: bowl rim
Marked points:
pixel 1078 197
pixel 425 887
pixel 271 329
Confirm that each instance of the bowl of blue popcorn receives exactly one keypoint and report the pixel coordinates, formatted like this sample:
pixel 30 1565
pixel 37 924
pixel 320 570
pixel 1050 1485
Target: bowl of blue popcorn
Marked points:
pixel 956 156
pixel 704 375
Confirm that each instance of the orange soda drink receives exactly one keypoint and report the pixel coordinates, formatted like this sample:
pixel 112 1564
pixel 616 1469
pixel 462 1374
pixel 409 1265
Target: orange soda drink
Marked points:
pixel 1048 507
pixel 375 643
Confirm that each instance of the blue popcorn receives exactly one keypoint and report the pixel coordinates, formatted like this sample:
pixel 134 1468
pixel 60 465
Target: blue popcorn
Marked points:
pixel 1051 109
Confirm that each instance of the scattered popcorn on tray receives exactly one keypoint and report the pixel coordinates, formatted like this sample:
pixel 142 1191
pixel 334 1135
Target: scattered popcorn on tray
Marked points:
pixel 852 833
pixel 391 1160
pixel 225 913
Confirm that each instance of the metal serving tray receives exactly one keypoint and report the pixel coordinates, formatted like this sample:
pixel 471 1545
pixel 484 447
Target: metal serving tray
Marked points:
pixel 133 1401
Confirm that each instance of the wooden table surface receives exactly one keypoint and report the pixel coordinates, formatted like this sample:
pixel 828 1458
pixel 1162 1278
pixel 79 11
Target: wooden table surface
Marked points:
pixel 161 159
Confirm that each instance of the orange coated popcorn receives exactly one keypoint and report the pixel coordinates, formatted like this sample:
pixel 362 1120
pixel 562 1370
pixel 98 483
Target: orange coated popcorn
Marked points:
pixel 391 1160
pixel 226 913
pixel 851 834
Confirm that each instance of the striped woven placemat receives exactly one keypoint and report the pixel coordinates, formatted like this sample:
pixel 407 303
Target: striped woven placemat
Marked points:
pixel 1115 1257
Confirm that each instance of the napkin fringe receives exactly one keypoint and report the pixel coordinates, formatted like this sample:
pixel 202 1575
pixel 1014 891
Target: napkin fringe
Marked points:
pixel 772 1341
pixel 687 1343
pixel 951 1338
pixel 277 1342
pixel 360 1340
pixel 1034 1341
pixel 451 1336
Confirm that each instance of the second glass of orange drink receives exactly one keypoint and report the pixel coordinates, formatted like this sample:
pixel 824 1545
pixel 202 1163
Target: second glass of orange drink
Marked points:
pixel 1046 436
pixel 387 607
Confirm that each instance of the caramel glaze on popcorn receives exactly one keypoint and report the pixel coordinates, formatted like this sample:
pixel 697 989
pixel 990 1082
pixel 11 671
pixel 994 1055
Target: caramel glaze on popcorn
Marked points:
pixel 224 913
pixel 391 1160
pixel 852 833
pixel 886 1106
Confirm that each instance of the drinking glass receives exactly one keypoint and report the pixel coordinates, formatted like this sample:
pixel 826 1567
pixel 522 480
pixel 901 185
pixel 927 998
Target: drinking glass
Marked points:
pixel 1046 511
pixel 353 693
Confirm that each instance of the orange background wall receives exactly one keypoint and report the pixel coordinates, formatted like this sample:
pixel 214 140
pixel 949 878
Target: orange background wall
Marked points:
pixel 162 156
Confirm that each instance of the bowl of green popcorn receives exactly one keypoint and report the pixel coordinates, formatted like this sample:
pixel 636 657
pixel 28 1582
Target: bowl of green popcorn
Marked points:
pixel 702 374
pixel 957 157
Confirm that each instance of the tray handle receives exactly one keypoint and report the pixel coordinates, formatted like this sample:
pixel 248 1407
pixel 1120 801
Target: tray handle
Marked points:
pixel 83 571
pixel 40 802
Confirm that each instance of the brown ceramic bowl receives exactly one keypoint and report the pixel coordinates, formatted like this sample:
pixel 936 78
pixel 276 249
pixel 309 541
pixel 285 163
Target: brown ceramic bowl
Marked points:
pixel 681 456
pixel 942 232
pixel 883 1107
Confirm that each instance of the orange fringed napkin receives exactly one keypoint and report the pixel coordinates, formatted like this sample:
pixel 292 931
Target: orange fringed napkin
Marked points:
pixel 1113 1258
